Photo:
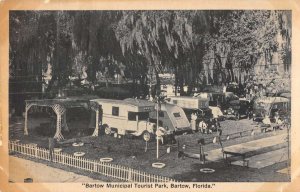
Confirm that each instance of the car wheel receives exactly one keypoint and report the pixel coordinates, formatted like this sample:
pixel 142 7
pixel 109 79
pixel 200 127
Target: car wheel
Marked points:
pixel 247 114
pixel 146 136
pixel 237 117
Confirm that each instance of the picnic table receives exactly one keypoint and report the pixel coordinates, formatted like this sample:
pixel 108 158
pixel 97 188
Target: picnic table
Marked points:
pixel 240 153
pixel 271 127
pixel 243 150
pixel 233 153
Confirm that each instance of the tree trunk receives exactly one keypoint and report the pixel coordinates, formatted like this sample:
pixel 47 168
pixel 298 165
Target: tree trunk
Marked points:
pixel 157 83
pixel 176 79
pixel 181 81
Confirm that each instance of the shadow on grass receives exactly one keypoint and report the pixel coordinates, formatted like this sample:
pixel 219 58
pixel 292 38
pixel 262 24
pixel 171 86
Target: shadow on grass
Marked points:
pixel 231 173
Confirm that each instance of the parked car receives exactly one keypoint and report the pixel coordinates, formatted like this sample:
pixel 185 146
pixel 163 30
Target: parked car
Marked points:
pixel 269 106
pixel 225 101
pixel 217 113
pixel 237 89
pixel 238 109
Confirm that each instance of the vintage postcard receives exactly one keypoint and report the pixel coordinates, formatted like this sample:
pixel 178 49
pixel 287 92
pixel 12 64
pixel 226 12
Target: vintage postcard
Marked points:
pixel 149 95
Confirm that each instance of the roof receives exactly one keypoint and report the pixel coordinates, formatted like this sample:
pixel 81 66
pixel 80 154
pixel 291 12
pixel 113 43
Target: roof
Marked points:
pixel 189 97
pixel 168 106
pixel 69 102
pixel 272 100
pixel 129 101
pixel 244 99
pixel 286 95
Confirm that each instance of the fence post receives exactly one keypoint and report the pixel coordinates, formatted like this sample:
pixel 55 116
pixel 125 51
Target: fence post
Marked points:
pixel 95 166
pixel 111 170
pixel 129 174
pixel 35 152
pixel 63 158
pixel 12 146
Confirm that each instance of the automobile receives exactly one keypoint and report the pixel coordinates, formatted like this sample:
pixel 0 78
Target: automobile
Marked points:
pixel 217 113
pixel 230 104
pixel 217 99
pixel 285 94
pixel 237 109
pixel 232 87
pixel 269 106
pixel 235 88
pixel 222 100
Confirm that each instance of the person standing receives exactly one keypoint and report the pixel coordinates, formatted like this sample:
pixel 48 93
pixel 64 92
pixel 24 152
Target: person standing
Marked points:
pixel 203 126
pixel 217 113
pixel 160 132
pixel 210 126
pixel 278 121
pixel 173 140
pixel 52 143
pixel 224 88
pixel 276 117
pixel 266 123
pixel 193 122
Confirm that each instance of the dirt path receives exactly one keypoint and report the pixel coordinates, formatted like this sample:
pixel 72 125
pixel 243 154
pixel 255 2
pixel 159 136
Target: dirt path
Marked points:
pixel 22 168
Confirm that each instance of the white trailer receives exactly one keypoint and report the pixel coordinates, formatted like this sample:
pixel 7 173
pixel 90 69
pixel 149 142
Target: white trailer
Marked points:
pixel 188 102
pixel 173 117
pixel 192 104
pixel 127 117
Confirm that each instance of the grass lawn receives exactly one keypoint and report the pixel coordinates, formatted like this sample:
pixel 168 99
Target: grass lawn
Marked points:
pixel 130 152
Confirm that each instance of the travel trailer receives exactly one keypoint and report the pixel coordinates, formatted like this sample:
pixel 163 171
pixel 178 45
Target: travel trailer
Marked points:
pixel 193 104
pixel 130 116
pixel 172 117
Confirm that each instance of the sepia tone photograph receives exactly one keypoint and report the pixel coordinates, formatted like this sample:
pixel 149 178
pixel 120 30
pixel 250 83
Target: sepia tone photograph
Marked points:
pixel 150 96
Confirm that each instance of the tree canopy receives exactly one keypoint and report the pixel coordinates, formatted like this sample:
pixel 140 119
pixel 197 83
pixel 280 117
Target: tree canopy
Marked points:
pixel 199 46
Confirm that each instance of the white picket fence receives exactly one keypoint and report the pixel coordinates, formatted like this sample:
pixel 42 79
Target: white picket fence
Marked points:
pixel 107 169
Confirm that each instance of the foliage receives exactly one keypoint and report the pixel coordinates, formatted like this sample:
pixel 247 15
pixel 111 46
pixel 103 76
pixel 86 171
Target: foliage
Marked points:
pixel 199 47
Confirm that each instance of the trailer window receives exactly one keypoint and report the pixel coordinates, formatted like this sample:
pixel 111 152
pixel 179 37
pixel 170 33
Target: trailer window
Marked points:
pixel 161 114
pixel 160 123
pixel 115 111
pixel 143 115
pixel 131 116
pixel 176 115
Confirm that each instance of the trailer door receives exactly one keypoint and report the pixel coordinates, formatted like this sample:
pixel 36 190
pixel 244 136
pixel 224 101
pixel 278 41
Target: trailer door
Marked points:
pixel 132 121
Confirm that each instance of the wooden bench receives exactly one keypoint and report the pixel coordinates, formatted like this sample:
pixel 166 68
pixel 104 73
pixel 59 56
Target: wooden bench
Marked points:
pixel 190 155
pixel 272 127
pixel 234 156
pixel 183 154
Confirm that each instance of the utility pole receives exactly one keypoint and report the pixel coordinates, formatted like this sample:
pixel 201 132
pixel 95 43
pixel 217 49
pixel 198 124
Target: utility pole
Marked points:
pixel 157 141
pixel 57 52
pixel 289 156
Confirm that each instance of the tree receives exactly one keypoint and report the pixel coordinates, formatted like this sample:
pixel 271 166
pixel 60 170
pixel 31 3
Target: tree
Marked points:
pixel 223 46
